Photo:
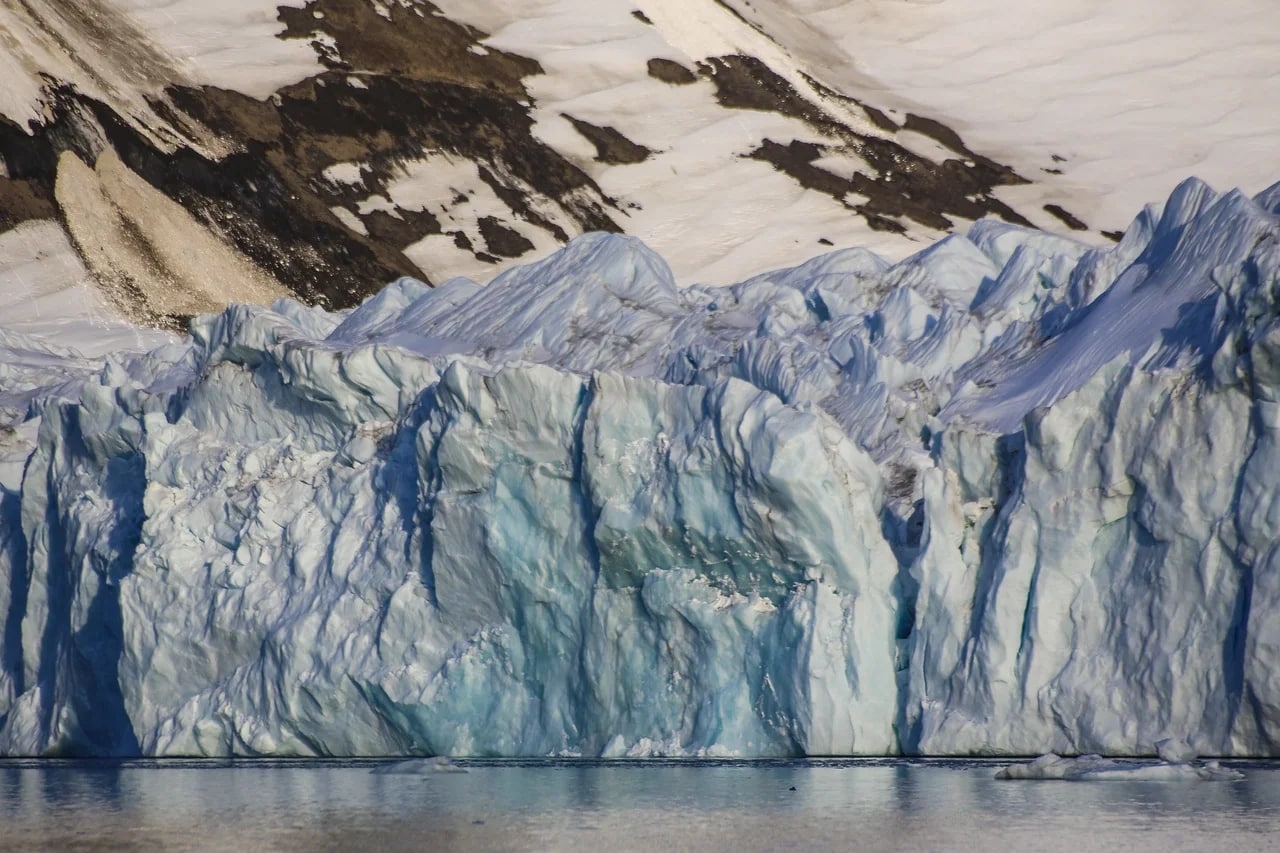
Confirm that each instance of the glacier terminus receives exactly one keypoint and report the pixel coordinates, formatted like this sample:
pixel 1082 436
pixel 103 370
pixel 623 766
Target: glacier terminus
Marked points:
pixel 1011 495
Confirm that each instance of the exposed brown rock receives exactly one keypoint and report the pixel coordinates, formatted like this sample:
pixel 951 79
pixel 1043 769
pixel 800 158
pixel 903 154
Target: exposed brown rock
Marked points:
pixel 501 240
pixel 407 227
pixel 23 200
pixel 414 43
pixel 746 83
pixel 938 132
pixel 875 116
pixel 899 184
pixel 1066 218
pixel 611 146
pixel 669 71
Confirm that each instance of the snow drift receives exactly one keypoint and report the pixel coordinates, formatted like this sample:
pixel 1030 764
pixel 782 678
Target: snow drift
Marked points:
pixel 1010 495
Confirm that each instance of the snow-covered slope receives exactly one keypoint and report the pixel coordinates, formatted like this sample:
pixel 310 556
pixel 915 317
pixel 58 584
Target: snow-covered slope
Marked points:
pixel 1128 98
pixel 334 145
pixel 1012 494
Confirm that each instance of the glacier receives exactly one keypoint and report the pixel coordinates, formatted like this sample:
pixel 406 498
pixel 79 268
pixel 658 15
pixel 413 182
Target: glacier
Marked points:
pixel 1012 495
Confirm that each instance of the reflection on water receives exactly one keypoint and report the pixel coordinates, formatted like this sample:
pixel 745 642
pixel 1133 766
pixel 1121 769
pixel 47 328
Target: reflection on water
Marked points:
pixel 883 805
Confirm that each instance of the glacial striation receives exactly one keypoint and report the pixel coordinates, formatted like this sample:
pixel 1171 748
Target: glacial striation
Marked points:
pixel 1011 495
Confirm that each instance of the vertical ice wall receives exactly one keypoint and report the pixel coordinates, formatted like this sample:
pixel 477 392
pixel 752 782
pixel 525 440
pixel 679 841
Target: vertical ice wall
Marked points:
pixel 1009 495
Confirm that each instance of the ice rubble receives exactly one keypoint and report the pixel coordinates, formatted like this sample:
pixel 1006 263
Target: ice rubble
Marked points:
pixel 1095 768
pixel 1011 494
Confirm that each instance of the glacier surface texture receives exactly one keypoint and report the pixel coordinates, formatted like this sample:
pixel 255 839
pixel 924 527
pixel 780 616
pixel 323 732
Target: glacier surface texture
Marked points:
pixel 1011 495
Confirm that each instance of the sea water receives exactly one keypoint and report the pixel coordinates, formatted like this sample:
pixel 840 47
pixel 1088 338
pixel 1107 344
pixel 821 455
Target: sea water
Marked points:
pixel 594 805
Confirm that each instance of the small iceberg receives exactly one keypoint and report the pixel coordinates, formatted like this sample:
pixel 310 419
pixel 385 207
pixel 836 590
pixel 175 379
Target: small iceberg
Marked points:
pixel 420 767
pixel 1095 768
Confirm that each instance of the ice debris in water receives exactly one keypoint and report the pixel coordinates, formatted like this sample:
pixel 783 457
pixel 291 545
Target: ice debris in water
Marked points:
pixel 1009 494
pixel 420 767
pixel 1095 768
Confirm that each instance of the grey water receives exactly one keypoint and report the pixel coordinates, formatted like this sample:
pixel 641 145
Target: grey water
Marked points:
pixel 610 805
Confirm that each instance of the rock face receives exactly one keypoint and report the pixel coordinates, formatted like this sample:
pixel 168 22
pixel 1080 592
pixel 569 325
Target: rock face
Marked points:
pixel 1010 495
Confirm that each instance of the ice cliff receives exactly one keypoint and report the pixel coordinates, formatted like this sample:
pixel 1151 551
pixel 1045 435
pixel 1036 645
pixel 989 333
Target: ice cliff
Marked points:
pixel 1010 495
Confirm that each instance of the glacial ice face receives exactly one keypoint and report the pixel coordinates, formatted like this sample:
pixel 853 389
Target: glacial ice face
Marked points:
pixel 1010 495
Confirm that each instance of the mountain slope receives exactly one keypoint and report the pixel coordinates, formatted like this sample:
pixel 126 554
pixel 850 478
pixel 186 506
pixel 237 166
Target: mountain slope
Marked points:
pixel 336 144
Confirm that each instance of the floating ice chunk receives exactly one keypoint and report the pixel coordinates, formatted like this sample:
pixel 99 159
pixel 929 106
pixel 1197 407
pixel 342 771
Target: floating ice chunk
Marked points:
pixel 1095 768
pixel 419 767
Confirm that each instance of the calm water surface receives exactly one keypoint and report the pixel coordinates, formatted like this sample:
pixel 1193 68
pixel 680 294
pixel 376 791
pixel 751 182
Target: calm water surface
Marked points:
pixel 837 805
